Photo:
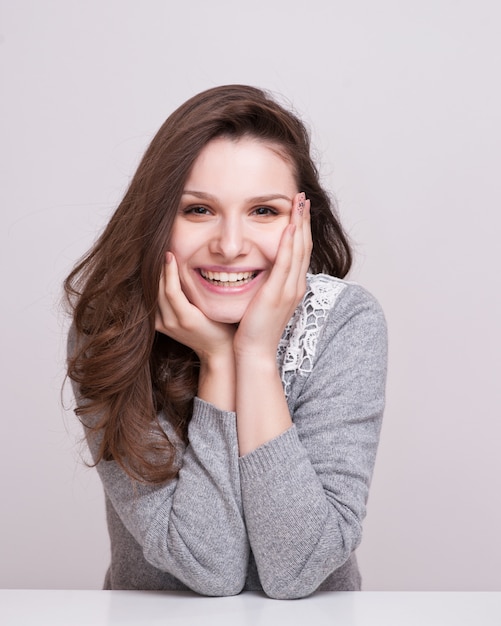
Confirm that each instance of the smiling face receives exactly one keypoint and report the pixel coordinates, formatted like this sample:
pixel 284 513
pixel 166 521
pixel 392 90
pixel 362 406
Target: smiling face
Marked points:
pixel 236 204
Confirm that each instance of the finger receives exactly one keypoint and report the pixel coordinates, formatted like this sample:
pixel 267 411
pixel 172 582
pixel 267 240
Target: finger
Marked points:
pixel 296 284
pixel 300 252
pixel 298 207
pixel 282 265
pixel 175 296
pixel 289 259
pixel 307 238
pixel 284 281
pixel 304 245
pixel 172 303
pixel 164 310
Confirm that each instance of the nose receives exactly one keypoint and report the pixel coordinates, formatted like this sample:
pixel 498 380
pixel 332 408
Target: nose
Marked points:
pixel 229 239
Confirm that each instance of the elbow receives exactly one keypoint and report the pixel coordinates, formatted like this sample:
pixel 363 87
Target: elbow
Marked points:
pixel 210 574
pixel 291 588
pixel 219 586
pixel 294 587
pixel 209 582
pixel 333 560
pixel 226 578
pixel 301 586
pixel 288 592
pixel 218 580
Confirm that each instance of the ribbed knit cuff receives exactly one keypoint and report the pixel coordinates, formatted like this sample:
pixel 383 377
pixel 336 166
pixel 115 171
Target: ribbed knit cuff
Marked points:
pixel 281 451
pixel 203 410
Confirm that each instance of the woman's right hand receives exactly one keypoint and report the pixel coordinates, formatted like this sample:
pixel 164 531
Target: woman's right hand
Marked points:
pixel 212 341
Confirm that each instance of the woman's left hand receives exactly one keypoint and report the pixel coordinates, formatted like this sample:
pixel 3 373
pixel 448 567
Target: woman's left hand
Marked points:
pixel 267 315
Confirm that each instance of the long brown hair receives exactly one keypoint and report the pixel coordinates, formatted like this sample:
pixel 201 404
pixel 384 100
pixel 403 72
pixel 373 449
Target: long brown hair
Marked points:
pixel 127 372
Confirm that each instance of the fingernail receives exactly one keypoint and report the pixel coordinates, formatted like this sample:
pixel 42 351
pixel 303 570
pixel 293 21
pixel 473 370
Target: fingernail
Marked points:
pixel 300 204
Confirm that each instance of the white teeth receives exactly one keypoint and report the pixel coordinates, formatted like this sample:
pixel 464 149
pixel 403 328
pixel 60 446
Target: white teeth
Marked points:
pixel 227 277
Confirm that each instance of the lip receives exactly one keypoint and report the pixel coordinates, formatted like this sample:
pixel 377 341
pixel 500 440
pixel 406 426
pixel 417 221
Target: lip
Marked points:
pixel 223 289
pixel 227 268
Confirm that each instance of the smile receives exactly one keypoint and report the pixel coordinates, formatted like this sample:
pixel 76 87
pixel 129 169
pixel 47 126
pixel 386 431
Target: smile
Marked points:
pixel 228 279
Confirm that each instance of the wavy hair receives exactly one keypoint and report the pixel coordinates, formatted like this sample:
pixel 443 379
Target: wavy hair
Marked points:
pixel 126 372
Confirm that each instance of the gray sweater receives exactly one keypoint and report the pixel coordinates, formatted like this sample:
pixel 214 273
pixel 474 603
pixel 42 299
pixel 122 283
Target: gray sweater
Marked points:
pixel 287 517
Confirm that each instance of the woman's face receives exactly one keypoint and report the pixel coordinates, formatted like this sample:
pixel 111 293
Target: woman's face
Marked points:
pixel 236 203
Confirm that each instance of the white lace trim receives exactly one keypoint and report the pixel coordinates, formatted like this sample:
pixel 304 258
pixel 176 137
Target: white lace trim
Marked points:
pixel 298 344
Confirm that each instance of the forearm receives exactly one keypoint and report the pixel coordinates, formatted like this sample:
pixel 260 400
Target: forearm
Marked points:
pixel 191 527
pixel 298 531
pixel 262 412
pixel 217 381
pixel 304 491
pixel 205 543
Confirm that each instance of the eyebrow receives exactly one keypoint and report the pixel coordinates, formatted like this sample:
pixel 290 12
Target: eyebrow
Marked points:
pixel 256 199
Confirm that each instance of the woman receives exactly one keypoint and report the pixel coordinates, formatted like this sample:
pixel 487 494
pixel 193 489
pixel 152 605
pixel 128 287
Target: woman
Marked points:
pixel 231 400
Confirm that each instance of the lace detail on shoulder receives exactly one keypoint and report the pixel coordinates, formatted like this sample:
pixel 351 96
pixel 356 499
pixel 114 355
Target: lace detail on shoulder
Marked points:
pixel 298 344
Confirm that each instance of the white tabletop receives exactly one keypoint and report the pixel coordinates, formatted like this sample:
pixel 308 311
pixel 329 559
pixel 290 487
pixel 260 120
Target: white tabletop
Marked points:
pixel 98 608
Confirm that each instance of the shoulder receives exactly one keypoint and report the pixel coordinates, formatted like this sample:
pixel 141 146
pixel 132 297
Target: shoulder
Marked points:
pixel 334 303
pixel 341 304
pixel 334 315
pixel 328 293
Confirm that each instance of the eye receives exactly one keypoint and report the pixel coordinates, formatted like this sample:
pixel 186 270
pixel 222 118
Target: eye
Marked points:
pixel 196 210
pixel 265 210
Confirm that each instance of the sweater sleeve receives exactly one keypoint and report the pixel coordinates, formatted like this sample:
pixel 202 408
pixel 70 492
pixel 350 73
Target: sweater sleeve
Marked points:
pixel 179 525
pixel 305 492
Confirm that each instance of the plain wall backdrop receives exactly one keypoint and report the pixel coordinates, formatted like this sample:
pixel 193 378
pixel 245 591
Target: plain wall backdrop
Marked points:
pixel 404 100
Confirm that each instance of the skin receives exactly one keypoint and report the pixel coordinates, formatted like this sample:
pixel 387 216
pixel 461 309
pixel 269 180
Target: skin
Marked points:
pixel 241 211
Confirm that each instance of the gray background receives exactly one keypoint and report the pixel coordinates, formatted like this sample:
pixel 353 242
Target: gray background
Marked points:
pixel 403 98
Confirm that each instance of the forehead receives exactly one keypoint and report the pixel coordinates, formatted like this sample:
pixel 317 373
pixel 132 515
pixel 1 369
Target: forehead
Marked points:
pixel 244 158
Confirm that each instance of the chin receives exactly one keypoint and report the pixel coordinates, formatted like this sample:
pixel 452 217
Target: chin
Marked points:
pixel 224 317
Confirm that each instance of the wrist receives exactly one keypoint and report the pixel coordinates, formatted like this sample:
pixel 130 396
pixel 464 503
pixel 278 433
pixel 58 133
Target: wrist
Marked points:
pixel 256 363
pixel 253 352
pixel 216 381
pixel 256 371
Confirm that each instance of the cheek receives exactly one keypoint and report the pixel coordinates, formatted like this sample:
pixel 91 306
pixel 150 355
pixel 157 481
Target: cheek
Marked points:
pixel 270 243
pixel 181 244
pixel 174 238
